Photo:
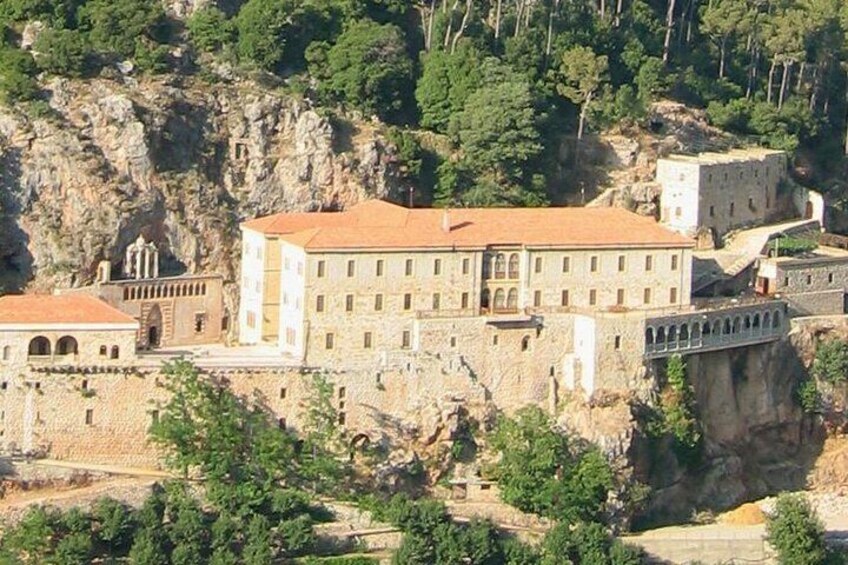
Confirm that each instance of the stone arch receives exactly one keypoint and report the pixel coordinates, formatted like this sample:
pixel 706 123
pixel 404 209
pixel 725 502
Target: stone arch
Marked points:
pixel 684 332
pixel 649 336
pixel 39 346
pixel 197 289
pixel 512 299
pixel 756 323
pixel 707 329
pixel 737 325
pixel 513 266
pixel 775 321
pixel 696 330
pixel 67 345
pixel 500 266
pixel 203 289
pixel 660 335
pixel 360 441
pixel 499 299
pixel 766 320
pixel 725 328
pixel 672 333
pixel 747 324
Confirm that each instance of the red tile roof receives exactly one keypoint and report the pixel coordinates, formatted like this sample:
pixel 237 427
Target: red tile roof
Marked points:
pixel 380 225
pixel 69 309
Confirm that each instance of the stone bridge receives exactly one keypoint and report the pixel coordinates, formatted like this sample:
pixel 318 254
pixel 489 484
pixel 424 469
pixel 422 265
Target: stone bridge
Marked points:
pixel 722 327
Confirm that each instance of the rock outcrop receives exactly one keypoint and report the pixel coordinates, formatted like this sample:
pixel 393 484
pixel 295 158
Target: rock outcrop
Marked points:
pixel 178 161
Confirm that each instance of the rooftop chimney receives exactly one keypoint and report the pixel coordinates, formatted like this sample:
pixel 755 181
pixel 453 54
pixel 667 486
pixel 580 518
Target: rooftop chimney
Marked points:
pixel 446 225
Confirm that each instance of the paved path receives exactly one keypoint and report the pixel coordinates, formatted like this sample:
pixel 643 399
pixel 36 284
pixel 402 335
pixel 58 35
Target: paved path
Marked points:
pixel 742 250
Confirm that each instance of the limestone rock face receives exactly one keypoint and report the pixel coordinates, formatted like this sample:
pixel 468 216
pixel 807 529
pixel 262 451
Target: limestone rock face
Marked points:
pixel 181 164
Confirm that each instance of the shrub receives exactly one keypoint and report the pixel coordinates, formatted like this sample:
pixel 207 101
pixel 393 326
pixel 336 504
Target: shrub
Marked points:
pixel 210 30
pixel 808 396
pixel 831 362
pixel 796 532
pixel 63 52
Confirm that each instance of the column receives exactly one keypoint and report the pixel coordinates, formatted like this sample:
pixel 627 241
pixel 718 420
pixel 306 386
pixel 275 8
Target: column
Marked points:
pixel 155 263
pixel 146 262
pixel 128 261
pixel 138 265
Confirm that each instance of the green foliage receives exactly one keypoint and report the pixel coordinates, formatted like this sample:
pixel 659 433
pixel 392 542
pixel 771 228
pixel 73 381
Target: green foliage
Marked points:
pixel 263 28
pixel 789 246
pixel 368 69
pixel 584 542
pixel 17 70
pixel 831 362
pixel 73 549
pixel 210 29
pixel 31 539
pixel 795 532
pixel 116 26
pixel 297 535
pixel 323 447
pixel 808 396
pixel 114 525
pixel 447 80
pixel 236 448
pixel 63 52
pixel 258 549
pixel 676 412
pixel 583 72
pixel 544 471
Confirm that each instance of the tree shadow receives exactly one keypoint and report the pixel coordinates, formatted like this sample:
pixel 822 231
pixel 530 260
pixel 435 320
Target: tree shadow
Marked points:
pixel 16 262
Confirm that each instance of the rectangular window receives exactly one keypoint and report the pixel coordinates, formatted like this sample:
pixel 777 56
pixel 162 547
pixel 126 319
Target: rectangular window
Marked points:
pixel 672 296
pixel 537 298
pixel 89 416
pixel 378 303
pixel 351 268
pixel 406 340
pixel 437 267
pixel 830 278
pixel 674 261
pixel 342 418
pixel 646 297
pixel 407 301
pixel 464 300
pixel 619 297
pixel 593 264
pixel 349 303
pixel 466 266
pixel 379 267
pixel 281 423
pixel 154 417
pixel 366 341
pixel 565 298
pixel 617 343
pixel 342 392
pixel 319 303
pixel 732 208
pixel 809 279
pixel 621 263
pixel 649 262
pixel 409 267
pixel 199 323
pixel 437 301
pixel 329 341
pixel 322 266
pixel 593 297
pixel 566 264
pixel 538 265
pixel 283 392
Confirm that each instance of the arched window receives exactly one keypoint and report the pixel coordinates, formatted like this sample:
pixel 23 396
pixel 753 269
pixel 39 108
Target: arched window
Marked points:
pixel 67 346
pixel 39 346
pixel 737 324
pixel 499 299
pixel 672 334
pixel 775 322
pixel 525 343
pixel 766 320
pixel 513 266
pixel 696 330
pixel 7 352
pixel 649 336
pixel 103 350
pixel 485 298
pixel 487 267
pixel 707 329
pixel 660 335
pixel 512 299
pixel 684 332
pixel 500 266
pixel 126 293
pixel 115 353
pixel 747 322
pixel 757 320
pixel 203 289
pixel 197 289
pixel 726 327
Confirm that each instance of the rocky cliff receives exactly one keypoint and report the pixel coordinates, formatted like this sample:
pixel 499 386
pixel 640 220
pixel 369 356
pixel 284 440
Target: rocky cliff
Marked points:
pixel 178 160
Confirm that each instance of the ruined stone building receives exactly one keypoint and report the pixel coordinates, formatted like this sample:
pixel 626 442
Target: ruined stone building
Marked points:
pixel 720 192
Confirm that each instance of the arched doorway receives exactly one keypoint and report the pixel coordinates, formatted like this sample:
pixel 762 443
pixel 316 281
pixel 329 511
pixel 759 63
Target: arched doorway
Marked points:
pixel 154 327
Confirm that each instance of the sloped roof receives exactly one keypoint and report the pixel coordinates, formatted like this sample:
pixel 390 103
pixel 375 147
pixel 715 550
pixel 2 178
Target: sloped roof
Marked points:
pixel 64 309
pixel 381 225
